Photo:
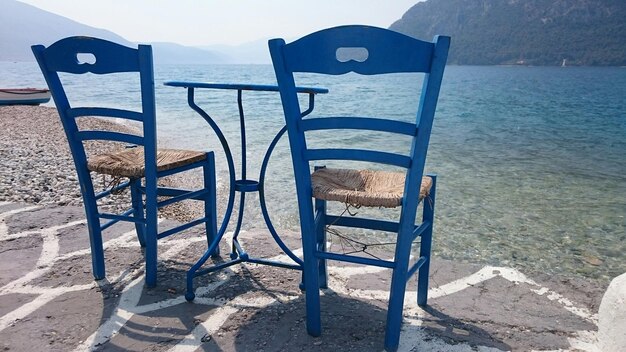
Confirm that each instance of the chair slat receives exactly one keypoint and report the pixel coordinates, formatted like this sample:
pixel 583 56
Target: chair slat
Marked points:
pixel 105 112
pixel 111 136
pixel 359 123
pixel 358 155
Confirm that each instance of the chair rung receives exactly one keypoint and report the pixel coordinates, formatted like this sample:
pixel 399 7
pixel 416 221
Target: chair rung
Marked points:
pixel 117 218
pixel 122 217
pixel 114 189
pixel 179 195
pixel 181 228
pixel 189 195
pixel 355 259
pixel 351 221
pixel 274 263
pixel 420 229
pixel 415 267
pixel 179 169
pixel 217 267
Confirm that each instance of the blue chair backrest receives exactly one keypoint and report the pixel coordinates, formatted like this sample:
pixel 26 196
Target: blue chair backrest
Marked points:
pixel 64 56
pixel 368 51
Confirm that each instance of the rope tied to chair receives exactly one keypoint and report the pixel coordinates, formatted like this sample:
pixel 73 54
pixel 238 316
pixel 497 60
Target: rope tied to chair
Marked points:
pixel 114 182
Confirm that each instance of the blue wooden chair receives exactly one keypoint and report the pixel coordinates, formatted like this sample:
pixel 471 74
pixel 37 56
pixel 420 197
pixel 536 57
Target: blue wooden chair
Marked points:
pixel 139 164
pixel 376 51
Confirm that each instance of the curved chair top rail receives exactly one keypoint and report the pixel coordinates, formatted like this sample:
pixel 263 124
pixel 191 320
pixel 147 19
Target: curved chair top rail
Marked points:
pixel 104 56
pixel 374 51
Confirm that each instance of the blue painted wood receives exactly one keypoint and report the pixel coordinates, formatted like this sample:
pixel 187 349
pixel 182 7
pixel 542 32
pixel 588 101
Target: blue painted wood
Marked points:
pixel 317 52
pixel 359 123
pixel 357 154
pixel 369 51
pixel 242 86
pixel 118 113
pixel 426 243
pixel 109 136
pixel 353 221
pixel 66 56
pixel 355 259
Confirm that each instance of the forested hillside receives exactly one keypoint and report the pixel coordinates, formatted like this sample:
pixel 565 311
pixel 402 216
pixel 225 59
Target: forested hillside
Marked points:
pixel 528 32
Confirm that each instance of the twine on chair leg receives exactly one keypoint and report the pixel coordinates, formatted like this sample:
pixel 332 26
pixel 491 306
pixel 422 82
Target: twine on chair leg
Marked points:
pixel 356 245
pixel 115 181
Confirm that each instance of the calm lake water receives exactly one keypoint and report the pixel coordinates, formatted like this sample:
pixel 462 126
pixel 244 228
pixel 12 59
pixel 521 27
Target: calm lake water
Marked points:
pixel 531 160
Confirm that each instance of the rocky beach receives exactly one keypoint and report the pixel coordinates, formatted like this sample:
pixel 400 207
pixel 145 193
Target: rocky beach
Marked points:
pixel 35 162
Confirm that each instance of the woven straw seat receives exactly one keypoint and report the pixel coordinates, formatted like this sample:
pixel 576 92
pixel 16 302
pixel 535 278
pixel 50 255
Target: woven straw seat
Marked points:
pixel 130 162
pixel 363 187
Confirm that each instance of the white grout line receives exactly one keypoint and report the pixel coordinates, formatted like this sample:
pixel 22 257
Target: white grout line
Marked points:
pixel 48 255
pixel 516 276
pixel 208 327
pixel 26 309
pixel 122 313
pixel 214 322
pixel 481 275
pixel 3 215
pixel 4 229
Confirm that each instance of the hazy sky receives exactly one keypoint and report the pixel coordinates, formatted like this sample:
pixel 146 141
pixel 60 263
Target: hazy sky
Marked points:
pixel 202 22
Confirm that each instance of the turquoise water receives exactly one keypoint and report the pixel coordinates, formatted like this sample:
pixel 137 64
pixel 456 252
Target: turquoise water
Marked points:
pixel 531 163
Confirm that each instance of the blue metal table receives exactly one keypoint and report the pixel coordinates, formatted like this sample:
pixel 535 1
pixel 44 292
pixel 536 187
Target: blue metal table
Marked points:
pixel 242 185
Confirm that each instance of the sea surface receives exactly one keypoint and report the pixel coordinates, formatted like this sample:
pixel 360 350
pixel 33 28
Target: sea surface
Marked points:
pixel 531 161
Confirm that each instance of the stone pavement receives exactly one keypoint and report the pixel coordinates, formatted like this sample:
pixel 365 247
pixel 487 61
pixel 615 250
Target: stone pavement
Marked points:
pixel 49 301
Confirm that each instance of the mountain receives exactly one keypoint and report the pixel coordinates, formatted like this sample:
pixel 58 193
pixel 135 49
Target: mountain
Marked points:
pixel 530 32
pixel 171 53
pixel 255 52
pixel 22 25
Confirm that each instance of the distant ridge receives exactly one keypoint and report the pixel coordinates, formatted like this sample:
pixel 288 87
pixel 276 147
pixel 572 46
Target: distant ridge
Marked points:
pixel 22 25
pixel 525 32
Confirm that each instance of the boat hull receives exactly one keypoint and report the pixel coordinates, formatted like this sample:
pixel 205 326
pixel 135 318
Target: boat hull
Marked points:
pixel 24 96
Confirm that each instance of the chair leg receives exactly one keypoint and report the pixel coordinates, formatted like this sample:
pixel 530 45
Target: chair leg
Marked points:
pixel 425 245
pixel 151 234
pixel 137 203
pixel 320 235
pixel 310 272
pixel 398 289
pixel 95 234
pixel 210 202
